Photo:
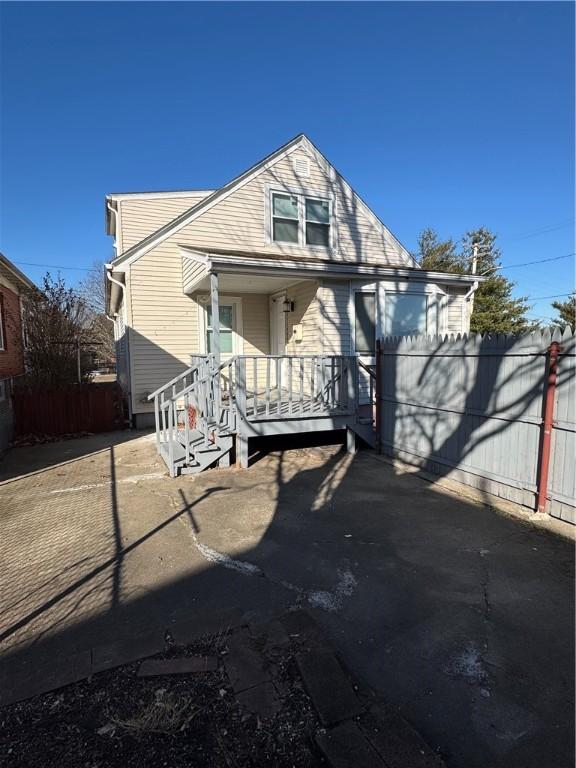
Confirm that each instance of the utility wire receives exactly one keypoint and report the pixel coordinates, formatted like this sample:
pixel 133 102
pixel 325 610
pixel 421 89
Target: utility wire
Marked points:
pixel 553 296
pixel 528 263
pixel 538 261
pixel 542 231
pixel 55 266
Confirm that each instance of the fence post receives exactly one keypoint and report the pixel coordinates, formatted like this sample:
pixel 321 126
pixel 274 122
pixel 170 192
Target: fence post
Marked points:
pixel 547 424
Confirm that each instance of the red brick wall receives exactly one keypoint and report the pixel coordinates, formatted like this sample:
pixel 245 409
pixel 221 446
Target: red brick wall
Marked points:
pixel 12 356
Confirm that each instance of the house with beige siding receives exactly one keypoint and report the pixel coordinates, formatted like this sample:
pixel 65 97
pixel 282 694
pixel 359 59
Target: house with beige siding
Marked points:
pixel 255 308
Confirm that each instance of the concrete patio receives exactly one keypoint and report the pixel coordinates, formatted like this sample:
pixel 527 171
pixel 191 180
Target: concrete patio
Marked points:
pixel 459 614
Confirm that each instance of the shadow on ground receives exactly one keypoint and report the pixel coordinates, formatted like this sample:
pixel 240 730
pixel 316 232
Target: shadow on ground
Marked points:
pixel 459 615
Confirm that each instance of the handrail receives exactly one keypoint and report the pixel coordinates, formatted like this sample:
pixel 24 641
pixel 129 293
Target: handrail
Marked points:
pixel 367 368
pixel 176 379
pixel 203 380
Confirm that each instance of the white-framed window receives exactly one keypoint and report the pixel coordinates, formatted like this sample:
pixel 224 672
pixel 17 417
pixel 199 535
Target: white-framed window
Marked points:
pixel 300 219
pixel 365 318
pixel 405 314
pixel 230 313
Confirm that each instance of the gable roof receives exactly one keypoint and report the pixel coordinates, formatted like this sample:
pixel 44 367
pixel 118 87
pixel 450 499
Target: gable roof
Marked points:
pixel 11 272
pixel 158 236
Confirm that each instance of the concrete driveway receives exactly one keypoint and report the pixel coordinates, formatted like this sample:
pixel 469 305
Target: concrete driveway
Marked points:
pixel 458 614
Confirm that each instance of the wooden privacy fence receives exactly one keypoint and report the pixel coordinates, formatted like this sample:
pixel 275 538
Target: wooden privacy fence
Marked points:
pixel 472 408
pixel 69 409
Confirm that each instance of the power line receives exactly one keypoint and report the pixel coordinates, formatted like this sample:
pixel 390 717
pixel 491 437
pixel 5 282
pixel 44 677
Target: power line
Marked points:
pixel 538 261
pixel 55 266
pixel 528 263
pixel 542 231
pixel 553 296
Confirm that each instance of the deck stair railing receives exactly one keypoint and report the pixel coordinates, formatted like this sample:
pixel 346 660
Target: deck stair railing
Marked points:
pixel 197 412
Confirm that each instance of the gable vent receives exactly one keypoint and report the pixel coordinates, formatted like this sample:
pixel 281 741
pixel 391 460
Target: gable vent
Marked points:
pixel 301 165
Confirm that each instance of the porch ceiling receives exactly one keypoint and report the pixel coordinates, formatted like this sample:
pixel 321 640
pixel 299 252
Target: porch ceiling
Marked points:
pixel 229 283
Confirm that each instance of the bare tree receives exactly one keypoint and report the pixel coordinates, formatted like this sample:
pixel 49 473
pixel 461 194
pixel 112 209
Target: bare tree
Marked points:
pixel 57 326
pixel 92 291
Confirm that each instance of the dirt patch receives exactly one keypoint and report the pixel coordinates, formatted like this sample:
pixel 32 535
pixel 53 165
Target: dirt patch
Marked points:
pixel 117 718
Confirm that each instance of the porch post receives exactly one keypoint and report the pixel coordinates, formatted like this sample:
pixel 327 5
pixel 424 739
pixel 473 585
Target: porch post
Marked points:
pixel 215 318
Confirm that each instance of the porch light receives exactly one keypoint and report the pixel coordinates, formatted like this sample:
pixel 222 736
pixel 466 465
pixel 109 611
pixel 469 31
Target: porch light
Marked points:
pixel 287 305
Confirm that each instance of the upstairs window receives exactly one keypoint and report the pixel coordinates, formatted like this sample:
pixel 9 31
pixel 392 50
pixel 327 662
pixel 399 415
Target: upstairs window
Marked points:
pixel 301 220
pixel 317 222
pixel 285 222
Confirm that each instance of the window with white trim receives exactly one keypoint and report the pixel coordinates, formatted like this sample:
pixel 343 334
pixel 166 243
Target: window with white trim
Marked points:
pixel 226 313
pixel 405 314
pixel 300 219
pixel 365 322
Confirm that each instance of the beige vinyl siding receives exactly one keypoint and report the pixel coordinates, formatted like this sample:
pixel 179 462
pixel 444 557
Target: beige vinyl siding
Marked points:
pixel 333 299
pixel 165 328
pixel 140 216
pixel 457 320
pixel 121 350
pixel 240 222
pixel 191 271
pixel 304 296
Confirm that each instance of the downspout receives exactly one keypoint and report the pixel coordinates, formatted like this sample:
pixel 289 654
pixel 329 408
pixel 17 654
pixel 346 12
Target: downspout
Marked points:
pixel 115 212
pixel 127 349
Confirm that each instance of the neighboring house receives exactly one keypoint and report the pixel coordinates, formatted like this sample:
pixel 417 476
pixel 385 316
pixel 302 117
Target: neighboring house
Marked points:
pixel 286 260
pixel 13 288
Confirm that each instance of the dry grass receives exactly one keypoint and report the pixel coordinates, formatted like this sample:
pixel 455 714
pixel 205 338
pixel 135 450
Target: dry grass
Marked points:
pixel 167 714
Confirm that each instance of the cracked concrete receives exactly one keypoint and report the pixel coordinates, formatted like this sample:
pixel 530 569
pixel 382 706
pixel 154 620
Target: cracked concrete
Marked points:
pixel 459 615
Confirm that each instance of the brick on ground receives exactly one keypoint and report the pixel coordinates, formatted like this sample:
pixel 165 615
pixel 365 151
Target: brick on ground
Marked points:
pixel 328 687
pixel 127 651
pixel 185 666
pixel 33 682
pixel 261 700
pixel 396 741
pixel 345 746
pixel 244 666
pixel 303 629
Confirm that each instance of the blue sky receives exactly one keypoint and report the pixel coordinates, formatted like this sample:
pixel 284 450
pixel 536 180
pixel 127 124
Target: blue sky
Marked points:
pixel 449 115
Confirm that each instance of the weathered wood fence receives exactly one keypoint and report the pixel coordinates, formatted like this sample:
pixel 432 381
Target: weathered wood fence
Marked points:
pixel 471 408
pixel 69 409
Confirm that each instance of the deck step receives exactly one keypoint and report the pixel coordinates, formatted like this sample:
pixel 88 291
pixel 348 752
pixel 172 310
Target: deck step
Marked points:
pixel 195 436
pixel 178 452
pixel 366 432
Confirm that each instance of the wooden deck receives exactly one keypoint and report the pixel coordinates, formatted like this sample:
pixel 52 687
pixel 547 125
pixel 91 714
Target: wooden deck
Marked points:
pixel 208 404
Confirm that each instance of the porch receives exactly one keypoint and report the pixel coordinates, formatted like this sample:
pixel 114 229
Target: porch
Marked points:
pixel 262 369
pixel 212 408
